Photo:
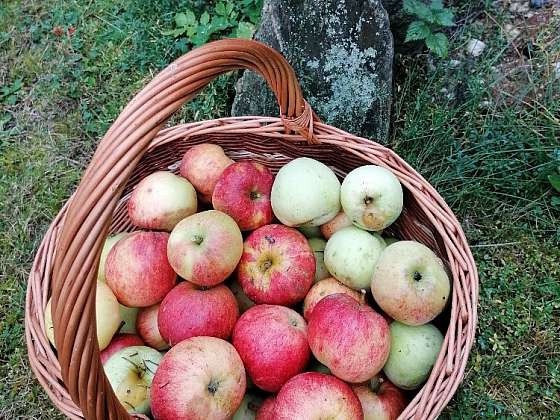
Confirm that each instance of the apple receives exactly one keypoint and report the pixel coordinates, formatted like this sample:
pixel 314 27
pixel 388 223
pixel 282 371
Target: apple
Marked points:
pixel 311 231
pixel 272 342
pixel 351 255
pixel 137 269
pixel 120 341
pixel 202 165
pixel 243 192
pixel 107 316
pixel 161 200
pixel 348 337
pixel 248 408
pixel 266 410
pixel 277 266
pixel 199 378
pixel 243 300
pixel 147 327
pixel 130 372
pixel 325 288
pixel 414 350
pixel 371 197
pixel 380 399
pixel 410 283
pixel 318 247
pixel 205 248
pixel 109 243
pixel 313 395
pixel 188 311
pixel 128 316
pixel 340 221
pixel 305 192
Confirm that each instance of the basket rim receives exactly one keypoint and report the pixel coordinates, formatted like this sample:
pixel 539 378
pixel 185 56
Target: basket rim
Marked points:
pixel 447 373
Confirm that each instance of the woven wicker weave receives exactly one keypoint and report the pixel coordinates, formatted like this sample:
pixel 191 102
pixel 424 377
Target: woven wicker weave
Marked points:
pixel 136 145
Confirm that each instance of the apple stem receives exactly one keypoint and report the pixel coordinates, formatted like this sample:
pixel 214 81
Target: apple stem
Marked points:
pixel 254 195
pixel 375 383
pixel 417 276
pixel 197 239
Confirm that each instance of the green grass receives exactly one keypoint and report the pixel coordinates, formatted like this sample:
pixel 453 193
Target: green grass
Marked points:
pixel 487 149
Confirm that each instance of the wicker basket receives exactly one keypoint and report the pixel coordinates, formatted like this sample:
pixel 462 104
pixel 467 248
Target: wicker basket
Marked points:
pixel 136 145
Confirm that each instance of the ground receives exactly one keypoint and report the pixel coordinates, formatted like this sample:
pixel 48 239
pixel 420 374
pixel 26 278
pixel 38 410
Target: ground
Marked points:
pixel 483 130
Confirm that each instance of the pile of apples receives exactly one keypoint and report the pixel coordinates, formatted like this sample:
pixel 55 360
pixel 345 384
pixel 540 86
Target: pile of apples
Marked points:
pixel 283 285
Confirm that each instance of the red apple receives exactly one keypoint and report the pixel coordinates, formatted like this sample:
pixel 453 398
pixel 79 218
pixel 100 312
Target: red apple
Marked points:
pixel 272 342
pixel 326 288
pixel 340 221
pixel 147 327
pixel 199 378
pixel 313 395
pixel 243 192
pixel 348 337
pixel 120 341
pixel 205 248
pixel 161 200
pixel 202 165
pixel 188 312
pixel 266 410
pixel 137 269
pixel 277 266
pixel 380 399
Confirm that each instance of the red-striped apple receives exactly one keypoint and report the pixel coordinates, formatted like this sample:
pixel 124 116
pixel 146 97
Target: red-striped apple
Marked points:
pixel 272 342
pixel 202 165
pixel 138 271
pixel 205 248
pixel 325 288
pixel 199 378
pixel 160 201
pixel 243 192
pixel 188 311
pixel 266 410
pixel 313 395
pixel 380 399
pixel 277 266
pixel 147 327
pixel 340 221
pixel 348 337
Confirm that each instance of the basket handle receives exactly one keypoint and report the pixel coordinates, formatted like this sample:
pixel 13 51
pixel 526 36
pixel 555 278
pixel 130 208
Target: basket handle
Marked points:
pixel 90 210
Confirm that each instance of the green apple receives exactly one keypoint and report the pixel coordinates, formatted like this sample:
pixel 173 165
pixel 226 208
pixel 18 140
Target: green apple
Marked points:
pixel 107 316
pixel 351 255
pixel 305 192
pixel 414 350
pixel 248 408
pixel 372 197
pixel 410 283
pixel 109 242
pixel 130 372
pixel 318 247
pixel 311 231
pixel 128 316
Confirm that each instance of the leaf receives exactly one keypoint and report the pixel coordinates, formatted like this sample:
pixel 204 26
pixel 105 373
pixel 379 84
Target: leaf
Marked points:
pixel 438 44
pixel 205 18
pixel 245 30
pixel 419 9
pixel 444 17
pixel 555 181
pixel 417 30
pixel 436 4
pixel 220 9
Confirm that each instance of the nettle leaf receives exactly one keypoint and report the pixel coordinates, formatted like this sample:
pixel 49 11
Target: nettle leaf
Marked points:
pixel 417 30
pixel 419 9
pixel 220 9
pixel 245 30
pixel 444 17
pixel 185 19
pixel 204 18
pixel 555 181
pixel 438 44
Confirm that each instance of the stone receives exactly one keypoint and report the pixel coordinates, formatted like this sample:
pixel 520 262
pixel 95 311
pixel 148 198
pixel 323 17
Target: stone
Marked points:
pixel 342 53
pixel 475 47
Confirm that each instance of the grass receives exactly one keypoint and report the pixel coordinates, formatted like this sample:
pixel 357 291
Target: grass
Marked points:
pixel 484 132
